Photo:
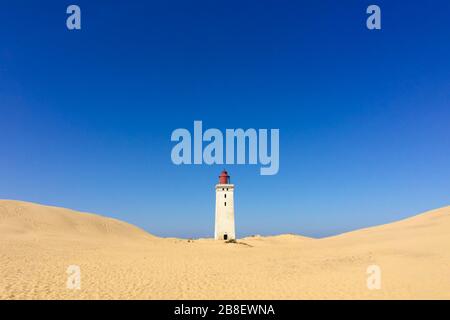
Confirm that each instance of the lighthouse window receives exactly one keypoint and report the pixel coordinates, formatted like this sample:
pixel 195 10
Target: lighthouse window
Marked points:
pixel 225 204
pixel 223 189
pixel 225 195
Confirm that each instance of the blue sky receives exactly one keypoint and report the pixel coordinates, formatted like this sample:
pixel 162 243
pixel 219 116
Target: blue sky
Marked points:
pixel 86 116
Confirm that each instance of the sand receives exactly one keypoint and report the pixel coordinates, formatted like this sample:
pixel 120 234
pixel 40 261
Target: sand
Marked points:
pixel 120 261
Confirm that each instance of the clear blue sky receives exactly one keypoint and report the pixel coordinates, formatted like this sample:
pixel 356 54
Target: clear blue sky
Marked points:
pixel 364 116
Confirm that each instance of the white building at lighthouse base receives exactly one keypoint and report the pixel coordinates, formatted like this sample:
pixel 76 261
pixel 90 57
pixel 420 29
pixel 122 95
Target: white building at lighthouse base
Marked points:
pixel 224 229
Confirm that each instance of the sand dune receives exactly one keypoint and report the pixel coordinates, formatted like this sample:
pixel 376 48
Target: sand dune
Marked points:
pixel 120 261
pixel 18 219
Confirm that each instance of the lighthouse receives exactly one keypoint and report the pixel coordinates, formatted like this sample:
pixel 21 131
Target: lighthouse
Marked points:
pixel 224 229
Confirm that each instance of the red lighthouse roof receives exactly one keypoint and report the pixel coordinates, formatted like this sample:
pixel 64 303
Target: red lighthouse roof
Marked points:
pixel 224 178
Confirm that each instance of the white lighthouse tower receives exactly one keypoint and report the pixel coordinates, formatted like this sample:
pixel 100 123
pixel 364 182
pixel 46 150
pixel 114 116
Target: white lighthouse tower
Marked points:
pixel 224 208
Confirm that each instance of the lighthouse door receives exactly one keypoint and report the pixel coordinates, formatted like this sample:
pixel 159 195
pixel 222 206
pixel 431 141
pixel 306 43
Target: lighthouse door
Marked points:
pixel 225 237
